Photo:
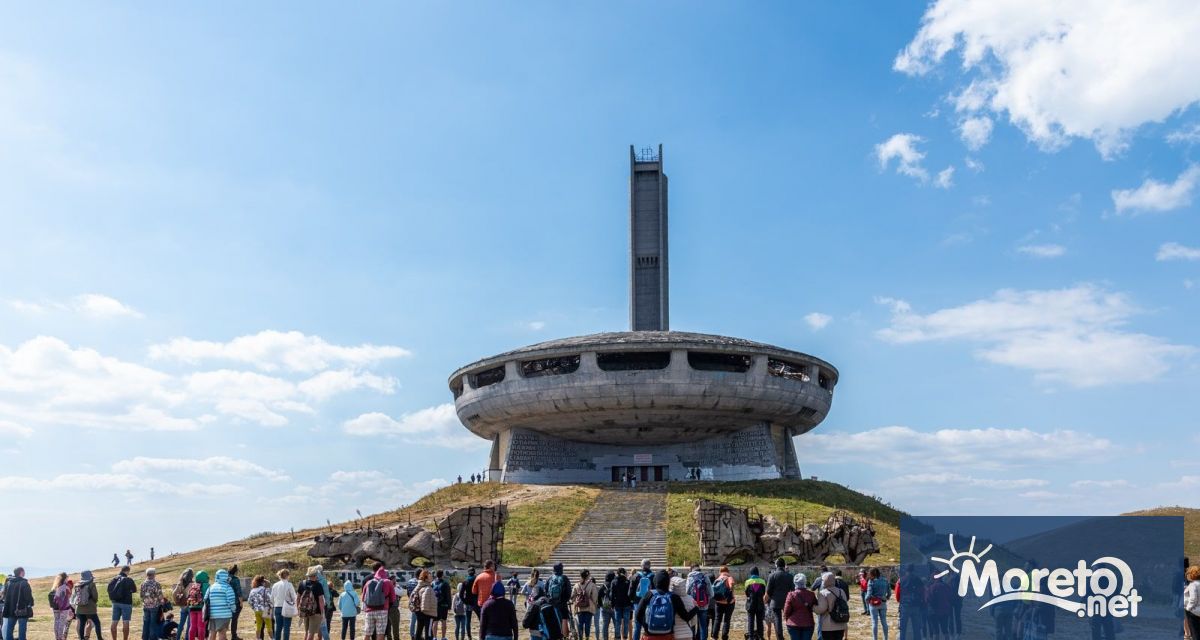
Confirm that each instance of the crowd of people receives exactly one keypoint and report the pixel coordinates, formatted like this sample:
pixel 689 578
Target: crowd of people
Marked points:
pixel 638 604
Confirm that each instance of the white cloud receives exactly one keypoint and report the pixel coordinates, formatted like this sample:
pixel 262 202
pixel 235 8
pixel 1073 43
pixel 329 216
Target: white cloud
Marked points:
pixel 211 466
pixel 9 430
pixel 901 447
pixel 438 425
pixel 100 306
pixel 902 148
pixel 1074 336
pixel 1092 69
pixel 973 164
pixel 1153 195
pixel 327 384
pixel 536 325
pixel 116 482
pixel 370 491
pixel 1043 250
pixel 961 480
pixel 945 178
pixel 1187 135
pixel 975 131
pixel 276 350
pixel 1101 484
pixel 1176 251
pixel 817 321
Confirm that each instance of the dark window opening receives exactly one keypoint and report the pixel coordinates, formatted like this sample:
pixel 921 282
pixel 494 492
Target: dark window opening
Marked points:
pixel 550 366
pixel 456 386
pixel 825 381
pixel 807 412
pixel 633 360
pixel 789 370
pixel 719 362
pixel 487 376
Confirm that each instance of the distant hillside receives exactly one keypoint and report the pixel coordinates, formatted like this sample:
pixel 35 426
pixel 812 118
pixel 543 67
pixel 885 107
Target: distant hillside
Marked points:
pixel 803 500
pixel 1191 526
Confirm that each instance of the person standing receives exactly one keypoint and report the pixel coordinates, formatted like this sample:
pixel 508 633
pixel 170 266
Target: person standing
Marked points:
pixel 179 599
pixel 441 591
pixel 116 560
pixel 498 617
pixel 640 584
pixel 197 625
pixel 662 608
pixel 798 609
pixel 779 585
pixel 699 587
pixel 18 605
pixel 622 605
pixel 84 597
pixel 827 601
pixel 379 595
pixel 120 591
pixel 152 604
pixel 756 604
pixel 460 613
pixel 151 554
pixel 910 596
pixel 128 556
pixel 1191 600
pixel 327 608
pixel 310 603
pixel 260 604
pixel 60 601
pixel 585 604
pixel 876 595
pixel 283 600
pixel 605 606
pixel 349 605
pixel 559 594
pixel 235 583
pixel 423 604
pixel 222 603
pixel 481 586
pixel 724 599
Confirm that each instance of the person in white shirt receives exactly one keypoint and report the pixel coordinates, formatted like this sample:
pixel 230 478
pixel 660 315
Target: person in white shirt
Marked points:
pixel 283 599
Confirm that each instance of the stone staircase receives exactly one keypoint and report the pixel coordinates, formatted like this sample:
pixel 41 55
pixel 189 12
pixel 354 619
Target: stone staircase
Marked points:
pixel 622 527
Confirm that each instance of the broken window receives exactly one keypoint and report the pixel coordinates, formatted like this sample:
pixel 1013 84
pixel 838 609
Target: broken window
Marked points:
pixel 550 366
pixel 487 376
pixel 633 360
pixel 733 362
pixel 456 386
pixel 790 370
pixel 825 381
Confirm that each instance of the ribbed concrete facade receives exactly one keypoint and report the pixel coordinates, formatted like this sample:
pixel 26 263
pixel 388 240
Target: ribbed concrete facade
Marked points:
pixel 649 279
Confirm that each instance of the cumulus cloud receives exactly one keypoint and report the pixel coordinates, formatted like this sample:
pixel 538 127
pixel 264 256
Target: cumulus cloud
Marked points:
pixel 1176 251
pixel 945 178
pixel 327 384
pixel 277 350
pixel 1075 336
pixel 1153 195
pixel 1188 135
pixel 211 466
pixel 817 320
pixel 902 148
pixel 436 425
pixel 1043 250
pixel 975 131
pixel 367 490
pixel 92 305
pixel 1093 69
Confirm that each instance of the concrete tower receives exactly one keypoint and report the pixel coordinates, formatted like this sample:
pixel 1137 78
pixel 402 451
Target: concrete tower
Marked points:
pixel 649 300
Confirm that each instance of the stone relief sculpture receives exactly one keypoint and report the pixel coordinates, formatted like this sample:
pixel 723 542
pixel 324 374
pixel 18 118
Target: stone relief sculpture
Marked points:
pixel 734 535
pixel 469 535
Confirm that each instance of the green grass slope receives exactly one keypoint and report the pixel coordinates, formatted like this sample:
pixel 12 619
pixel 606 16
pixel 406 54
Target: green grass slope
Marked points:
pixel 1191 526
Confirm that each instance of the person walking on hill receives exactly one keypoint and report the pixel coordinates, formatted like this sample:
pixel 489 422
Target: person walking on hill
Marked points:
pixel 60 602
pixel 310 604
pixel 349 605
pixel 179 599
pixel 558 591
pixel 222 603
pixel 153 600
pixel 18 605
pixel 798 609
pixel 660 608
pixel 585 604
pixel 120 591
pixel 640 584
pixel 116 560
pixel 378 595
pixel 828 599
pixel 877 592
pixel 283 601
pixel 260 603
pixel 756 604
pixel 84 598
pixel 498 617
pixel 725 600
pixel 622 605
pixel 128 556
pixel 699 588
pixel 779 585
pixel 441 591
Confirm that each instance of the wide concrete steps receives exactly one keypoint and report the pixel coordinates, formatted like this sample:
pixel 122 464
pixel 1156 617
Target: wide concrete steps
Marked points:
pixel 621 529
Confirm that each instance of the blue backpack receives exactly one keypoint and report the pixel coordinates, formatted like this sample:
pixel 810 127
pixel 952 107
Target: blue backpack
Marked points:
pixel 643 584
pixel 660 614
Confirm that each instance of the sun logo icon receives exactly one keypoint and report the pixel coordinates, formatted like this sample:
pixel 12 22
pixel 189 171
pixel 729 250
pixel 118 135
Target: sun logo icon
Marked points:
pixel 957 558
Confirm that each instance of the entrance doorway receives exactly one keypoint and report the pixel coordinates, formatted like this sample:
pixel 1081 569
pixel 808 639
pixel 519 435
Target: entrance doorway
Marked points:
pixel 643 473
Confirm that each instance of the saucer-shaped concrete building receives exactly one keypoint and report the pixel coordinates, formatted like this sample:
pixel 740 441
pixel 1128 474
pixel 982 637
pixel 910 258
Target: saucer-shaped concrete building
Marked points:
pixel 651 403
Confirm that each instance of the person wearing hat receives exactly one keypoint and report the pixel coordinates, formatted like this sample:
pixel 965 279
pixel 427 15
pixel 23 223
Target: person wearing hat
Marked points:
pixel 152 603
pixel 310 602
pixel 498 617
pixel 84 597
pixel 797 609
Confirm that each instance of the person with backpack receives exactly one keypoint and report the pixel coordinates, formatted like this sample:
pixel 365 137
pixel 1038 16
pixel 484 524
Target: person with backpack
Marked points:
pixel 310 604
pixel 151 593
pixel 472 600
pixel 378 595
pixel 622 605
pixel 197 622
pixel 876 593
pixel 756 604
pixel 179 599
pixel 724 602
pixel 604 606
pixel 283 602
pixel 540 618
pixel 459 606
pixel 699 587
pixel 558 590
pixel 18 605
pixel 120 592
pixel 498 616
pixel 798 609
pixel 660 608
pixel 222 602
pixel 349 605
pixel 60 604
pixel 84 598
pixel 423 604
pixel 236 584
pixel 327 607
pixel 779 585
pixel 260 603
pixel 833 608
pixel 441 590
pixel 584 601
pixel 683 629
pixel 910 594
pixel 640 584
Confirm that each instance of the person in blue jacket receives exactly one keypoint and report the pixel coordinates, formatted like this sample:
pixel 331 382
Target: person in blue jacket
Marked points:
pixel 222 602
pixel 349 604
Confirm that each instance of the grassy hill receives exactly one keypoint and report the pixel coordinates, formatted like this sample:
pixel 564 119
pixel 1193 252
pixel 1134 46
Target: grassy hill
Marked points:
pixel 791 500
pixel 1191 526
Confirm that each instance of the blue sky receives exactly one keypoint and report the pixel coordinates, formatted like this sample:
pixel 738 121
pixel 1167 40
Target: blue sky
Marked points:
pixel 244 247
